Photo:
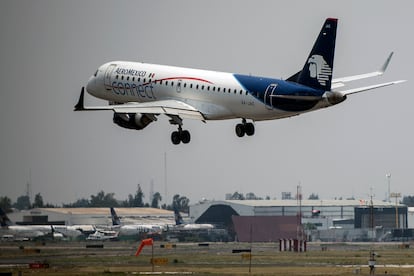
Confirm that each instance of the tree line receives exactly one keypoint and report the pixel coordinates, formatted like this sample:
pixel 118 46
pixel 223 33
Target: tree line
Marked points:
pixel 101 199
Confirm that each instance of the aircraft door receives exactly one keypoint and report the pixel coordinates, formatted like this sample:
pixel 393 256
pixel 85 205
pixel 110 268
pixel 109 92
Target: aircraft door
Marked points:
pixel 267 97
pixel 179 86
pixel 108 74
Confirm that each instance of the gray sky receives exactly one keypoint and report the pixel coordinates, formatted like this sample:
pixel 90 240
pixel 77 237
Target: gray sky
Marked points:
pixel 50 48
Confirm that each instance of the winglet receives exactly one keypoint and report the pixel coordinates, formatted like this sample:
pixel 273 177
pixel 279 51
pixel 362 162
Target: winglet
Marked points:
pixel 80 106
pixel 384 67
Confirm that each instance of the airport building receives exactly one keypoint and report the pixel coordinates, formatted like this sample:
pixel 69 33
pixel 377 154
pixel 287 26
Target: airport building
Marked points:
pixel 91 216
pixel 320 219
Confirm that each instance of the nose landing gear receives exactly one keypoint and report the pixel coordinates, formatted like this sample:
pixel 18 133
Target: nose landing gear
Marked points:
pixel 244 128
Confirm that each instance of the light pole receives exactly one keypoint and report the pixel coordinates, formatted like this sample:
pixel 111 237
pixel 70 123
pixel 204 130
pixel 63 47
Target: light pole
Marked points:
pixel 396 195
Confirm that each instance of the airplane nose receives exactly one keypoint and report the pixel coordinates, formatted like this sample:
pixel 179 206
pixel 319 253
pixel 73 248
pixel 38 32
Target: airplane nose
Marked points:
pixel 91 86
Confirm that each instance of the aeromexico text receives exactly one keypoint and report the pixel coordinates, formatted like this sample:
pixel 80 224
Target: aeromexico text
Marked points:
pixel 130 72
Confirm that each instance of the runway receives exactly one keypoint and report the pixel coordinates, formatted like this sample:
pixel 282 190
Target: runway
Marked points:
pixel 74 258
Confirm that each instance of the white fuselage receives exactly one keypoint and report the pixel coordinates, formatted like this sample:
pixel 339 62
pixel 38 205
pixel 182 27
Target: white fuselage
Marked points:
pixel 216 95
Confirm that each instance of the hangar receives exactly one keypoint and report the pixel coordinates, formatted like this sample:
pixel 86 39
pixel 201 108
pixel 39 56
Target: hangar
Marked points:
pixel 319 215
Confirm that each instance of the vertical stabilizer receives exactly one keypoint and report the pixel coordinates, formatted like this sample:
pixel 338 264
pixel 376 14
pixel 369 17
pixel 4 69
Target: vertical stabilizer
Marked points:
pixel 318 68
pixel 178 217
pixel 115 219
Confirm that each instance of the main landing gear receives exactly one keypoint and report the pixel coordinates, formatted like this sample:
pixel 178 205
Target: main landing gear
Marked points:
pixel 180 136
pixel 244 128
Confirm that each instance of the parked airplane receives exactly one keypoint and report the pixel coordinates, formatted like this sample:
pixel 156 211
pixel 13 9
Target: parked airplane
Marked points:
pixel 36 231
pixel 139 92
pixel 103 235
pixel 133 229
pixel 180 225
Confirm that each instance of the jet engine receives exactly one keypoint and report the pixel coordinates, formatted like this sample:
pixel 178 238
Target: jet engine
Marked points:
pixel 133 120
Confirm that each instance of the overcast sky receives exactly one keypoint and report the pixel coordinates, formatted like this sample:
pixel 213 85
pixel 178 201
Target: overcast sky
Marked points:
pixel 49 49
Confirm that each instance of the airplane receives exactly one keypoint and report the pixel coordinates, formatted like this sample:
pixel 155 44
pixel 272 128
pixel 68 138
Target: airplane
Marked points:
pixel 103 235
pixel 139 92
pixel 29 232
pixel 22 232
pixel 133 229
pixel 180 225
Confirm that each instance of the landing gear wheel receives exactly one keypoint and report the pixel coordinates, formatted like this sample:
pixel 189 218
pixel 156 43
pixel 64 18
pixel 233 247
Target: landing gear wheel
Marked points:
pixel 185 136
pixel 244 128
pixel 240 130
pixel 180 136
pixel 249 128
pixel 175 137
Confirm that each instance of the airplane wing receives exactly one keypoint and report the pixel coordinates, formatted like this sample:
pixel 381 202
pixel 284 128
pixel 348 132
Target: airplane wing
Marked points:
pixel 340 82
pixel 168 107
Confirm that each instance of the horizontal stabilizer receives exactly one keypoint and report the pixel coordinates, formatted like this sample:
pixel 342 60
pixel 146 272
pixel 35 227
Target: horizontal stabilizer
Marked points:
pixel 366 88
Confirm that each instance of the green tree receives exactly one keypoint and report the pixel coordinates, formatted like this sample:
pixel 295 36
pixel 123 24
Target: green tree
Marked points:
pixel 103 200
pixel 408 200
pixel 139 197
pixel 22 203
pixel 313 197
pixel 180 203
pixel 5 204
pixel 237 196
pixel 38 201
pixel 156 198
pixel 136 200
pixel 80 203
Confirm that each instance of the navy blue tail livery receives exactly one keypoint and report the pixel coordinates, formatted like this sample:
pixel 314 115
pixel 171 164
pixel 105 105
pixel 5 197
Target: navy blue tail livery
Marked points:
pixel 144 91
pixel 317 71
pixel 115 219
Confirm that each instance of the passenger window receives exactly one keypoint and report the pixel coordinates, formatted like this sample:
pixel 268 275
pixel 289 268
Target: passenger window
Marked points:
pixel 191 85
pixel 202 87
pixel 185 85
pixel 224 90
pixel 197 86
pixel 214 88
pixel 172 83
pixel 127 78
pixel 116 77
pixel 122 78
pixel 218 89
pixel 166 82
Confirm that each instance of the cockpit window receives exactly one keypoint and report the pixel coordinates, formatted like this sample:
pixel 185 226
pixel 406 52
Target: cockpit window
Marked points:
pixel 96 73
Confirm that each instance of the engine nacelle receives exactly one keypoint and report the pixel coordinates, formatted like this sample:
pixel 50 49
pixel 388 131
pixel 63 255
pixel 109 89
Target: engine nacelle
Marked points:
pixel 133 120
